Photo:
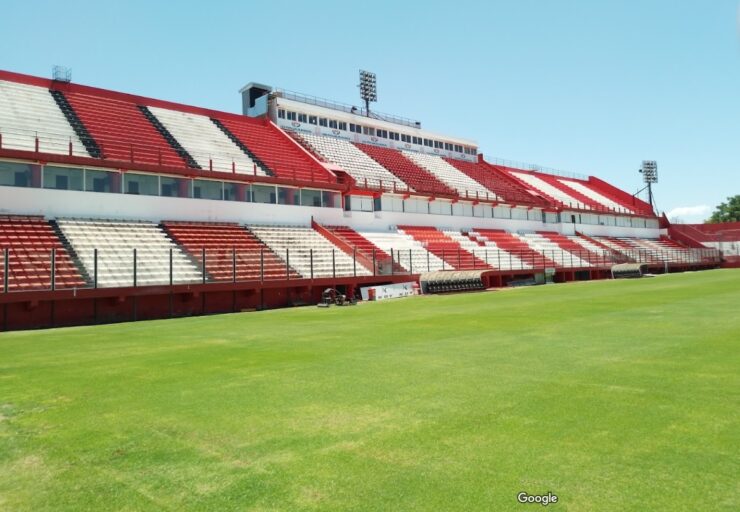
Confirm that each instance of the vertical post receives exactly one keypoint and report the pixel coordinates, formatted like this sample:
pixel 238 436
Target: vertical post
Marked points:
pixel 134 268
pixel 6 269
pixel 95 268
pixel 203 259
pixel 233 264
pixel 172 272
pixel 53 269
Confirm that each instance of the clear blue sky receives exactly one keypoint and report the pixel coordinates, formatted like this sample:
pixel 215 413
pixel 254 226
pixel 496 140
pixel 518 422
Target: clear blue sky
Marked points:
pixel 587 86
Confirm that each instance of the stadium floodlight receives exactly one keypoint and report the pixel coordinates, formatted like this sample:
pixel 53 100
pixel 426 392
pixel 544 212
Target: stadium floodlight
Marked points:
pixel 61 74
pixel 649 171
pixel 368 89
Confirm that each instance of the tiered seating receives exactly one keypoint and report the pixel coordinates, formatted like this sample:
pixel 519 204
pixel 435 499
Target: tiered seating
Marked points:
pixel 276 150
pixel 299 241
pixel 406 251
pixel 601 199
pixel 30 241
pixel 224 241
pixel 552 250
pixel 445 247
pixel 115 242
pixel 417 177
pixel 464 184
pixel 659 250
pixel 515 246
pixel 496 181
pixel 364 247
pixel 486 251
pixel 28 111
pixel 122 131
pixel 360 166
pixel 205 142
pixel 554 193
pixel 587 250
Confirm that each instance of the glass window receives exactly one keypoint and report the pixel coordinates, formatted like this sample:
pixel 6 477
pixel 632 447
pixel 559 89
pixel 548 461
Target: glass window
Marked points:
pixel 331 199
pixel 263 194
pixel 367 130
pixel 174 187
pixel 101 181
pixel 342 125
pixel 313 119
pixel 232 192
pixel 310 197
pixel 291 116
pixel 63 178
pixel 208 189
pixel 15 175
pixel 281 113
pixel 323 121
pixel 141 184
pixel 332 123
pixel 302 118
pixel 289 196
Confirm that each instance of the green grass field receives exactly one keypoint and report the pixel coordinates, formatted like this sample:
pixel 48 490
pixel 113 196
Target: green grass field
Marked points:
pixel 612 395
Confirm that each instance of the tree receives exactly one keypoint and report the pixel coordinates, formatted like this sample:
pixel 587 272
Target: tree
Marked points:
pixel 727 212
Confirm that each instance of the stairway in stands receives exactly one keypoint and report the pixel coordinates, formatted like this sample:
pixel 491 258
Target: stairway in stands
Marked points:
pixel 77 125
pixel 171 140
pixel 224 244
pixel 444 247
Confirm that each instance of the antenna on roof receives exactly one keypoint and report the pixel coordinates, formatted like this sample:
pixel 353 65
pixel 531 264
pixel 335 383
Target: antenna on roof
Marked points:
pixel 61 74
pixel 368 89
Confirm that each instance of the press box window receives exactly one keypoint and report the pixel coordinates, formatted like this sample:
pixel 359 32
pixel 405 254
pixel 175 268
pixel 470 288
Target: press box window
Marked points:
pixel 141 184
pixel 332 123
pixel 63 178
pixel 281 113
pixel 207 189
pixel 323 121
pixel 302 118
pixel 342 125
pixel 291 116
pixel 100 181
pixel 15 175
pixel 313 119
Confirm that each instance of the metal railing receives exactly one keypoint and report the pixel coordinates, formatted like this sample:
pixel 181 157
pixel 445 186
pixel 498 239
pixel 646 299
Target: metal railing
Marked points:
pixel 31 270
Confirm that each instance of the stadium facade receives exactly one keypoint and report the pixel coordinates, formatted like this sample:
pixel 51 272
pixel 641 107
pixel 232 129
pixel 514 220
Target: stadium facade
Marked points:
pixel 119 207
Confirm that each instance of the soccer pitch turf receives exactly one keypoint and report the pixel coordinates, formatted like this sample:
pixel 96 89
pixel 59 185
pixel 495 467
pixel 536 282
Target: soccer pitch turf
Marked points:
pixel 612 395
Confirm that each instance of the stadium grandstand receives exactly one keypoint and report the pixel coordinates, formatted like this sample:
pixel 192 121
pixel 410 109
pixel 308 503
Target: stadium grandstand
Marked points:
pixel 120 207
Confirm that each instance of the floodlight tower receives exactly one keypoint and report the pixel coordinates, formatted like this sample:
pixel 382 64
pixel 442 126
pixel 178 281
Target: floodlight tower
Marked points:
pixel 649 171
pixel 368 89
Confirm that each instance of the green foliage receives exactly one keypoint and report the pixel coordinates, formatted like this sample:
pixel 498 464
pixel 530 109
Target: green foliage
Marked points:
pixel 727 212
pixel 614 395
